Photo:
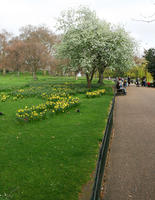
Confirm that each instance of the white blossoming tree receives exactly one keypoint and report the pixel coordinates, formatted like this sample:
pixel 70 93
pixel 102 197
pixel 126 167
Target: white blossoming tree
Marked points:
pixel 118 50
pixel 125 50
pixel 79 40
pixel 91 44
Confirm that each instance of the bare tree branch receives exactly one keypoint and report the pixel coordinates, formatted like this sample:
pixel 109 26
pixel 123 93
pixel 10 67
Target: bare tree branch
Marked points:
pixel 142 20
pixel 147 19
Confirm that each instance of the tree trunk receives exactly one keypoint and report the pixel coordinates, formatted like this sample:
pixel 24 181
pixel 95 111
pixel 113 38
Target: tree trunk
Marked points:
pixel 4 71
pixel 100 80
pixel 34 76
pixel 76 77
pixel 90 77
pixel 88 81
pixel 50 72
pixel 44 72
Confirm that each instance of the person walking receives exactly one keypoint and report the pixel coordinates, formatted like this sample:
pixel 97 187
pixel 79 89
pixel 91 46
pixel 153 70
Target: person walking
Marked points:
pixel 129 80
pixel 144 81
pixel 137 82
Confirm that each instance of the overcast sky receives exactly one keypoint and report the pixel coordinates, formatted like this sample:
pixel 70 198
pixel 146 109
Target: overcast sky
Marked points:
pixel 17 13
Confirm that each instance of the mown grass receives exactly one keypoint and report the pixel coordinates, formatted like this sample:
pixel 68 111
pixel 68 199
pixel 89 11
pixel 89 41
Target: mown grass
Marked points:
pixel 10 82
pixel 52 158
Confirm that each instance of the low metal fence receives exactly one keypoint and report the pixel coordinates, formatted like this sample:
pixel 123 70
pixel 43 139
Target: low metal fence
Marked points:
pixel 102 156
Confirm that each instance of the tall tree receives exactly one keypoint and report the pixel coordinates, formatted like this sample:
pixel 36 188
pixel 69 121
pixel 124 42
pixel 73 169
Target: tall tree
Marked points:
pixel 27 55
pixel 35 57
pixel 125 49
pixel 4 39
pixel 15 55
pixel 79 40
pixel 118 52
pixel 150 57
pixel 91 44
pixel 41 36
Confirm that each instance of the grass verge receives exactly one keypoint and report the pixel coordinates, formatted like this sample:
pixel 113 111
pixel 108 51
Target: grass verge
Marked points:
pixel 52 158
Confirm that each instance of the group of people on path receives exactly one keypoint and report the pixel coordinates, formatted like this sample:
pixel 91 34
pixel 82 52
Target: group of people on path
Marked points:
pixel 143 82
pixel 122 83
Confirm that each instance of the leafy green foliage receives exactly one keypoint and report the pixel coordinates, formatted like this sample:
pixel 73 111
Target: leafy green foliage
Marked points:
pixel 150 57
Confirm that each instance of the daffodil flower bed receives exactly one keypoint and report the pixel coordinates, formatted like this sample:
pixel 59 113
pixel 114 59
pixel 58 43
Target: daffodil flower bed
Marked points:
pixel 38 112
pixel 13 95
pixel 95 93
pixel 44 91
pixel 4 97
pixel 54 97
pixel 35 92
pixel 29 114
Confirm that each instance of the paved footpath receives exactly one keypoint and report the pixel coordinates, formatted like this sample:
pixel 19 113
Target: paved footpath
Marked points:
pixel 131 171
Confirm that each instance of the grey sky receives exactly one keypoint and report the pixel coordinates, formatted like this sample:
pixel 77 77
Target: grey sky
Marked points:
pixel 17 13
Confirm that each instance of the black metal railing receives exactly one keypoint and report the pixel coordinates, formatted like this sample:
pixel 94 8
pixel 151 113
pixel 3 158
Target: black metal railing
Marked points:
pixel 102 156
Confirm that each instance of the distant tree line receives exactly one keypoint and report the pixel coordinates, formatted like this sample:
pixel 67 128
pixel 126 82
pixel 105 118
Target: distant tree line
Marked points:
pixel 84 44
pixel 31 51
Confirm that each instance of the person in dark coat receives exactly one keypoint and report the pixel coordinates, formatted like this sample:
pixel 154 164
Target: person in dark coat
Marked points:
pixel 129 80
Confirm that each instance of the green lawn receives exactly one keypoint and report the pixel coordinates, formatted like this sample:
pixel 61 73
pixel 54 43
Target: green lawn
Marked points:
pixel 49 159
pixel 12 81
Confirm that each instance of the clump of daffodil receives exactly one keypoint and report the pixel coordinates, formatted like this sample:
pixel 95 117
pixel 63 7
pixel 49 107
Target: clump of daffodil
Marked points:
pixel 32 113
pixel 4 97
pixel 54 104
pixel 95 93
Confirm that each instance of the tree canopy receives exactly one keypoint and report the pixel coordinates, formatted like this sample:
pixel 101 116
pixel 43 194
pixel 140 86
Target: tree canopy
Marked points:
pixel 31 51
pixel 150 57
pixel 91 44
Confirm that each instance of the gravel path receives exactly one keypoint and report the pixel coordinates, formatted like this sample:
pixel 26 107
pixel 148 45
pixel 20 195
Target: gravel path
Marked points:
pixel 131 171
